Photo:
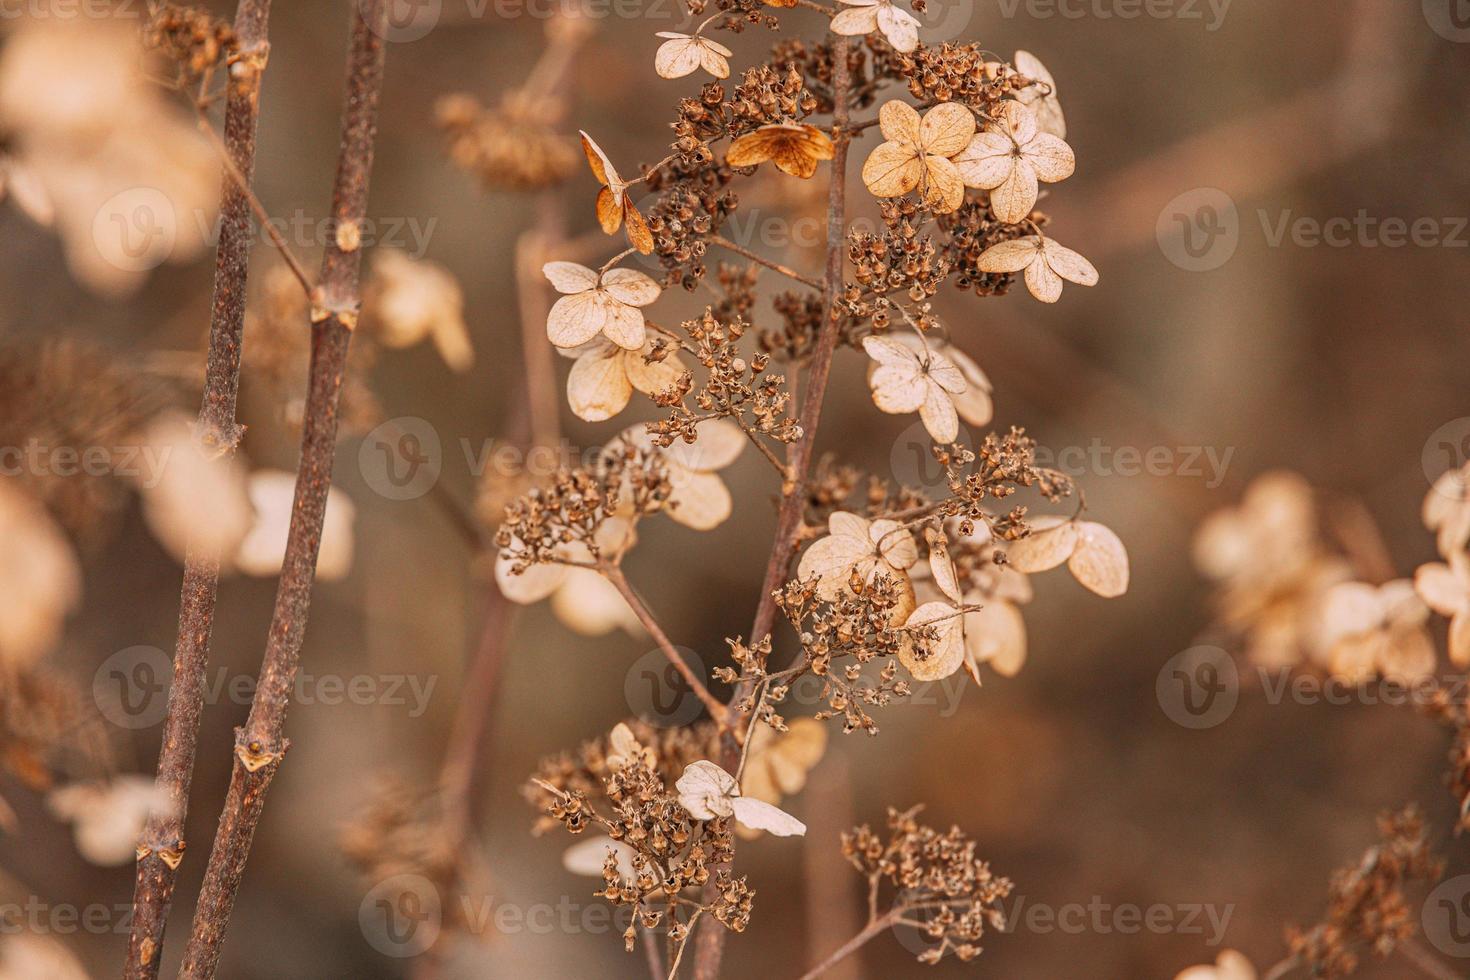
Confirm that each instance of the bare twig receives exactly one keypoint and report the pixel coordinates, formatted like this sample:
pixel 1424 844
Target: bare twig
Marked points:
pixel 873 928
pixel 785 270
pixel 161 846
pixel 260 745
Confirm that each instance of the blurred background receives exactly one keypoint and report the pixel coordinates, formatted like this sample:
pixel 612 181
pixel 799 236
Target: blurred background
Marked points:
pixel 1236 162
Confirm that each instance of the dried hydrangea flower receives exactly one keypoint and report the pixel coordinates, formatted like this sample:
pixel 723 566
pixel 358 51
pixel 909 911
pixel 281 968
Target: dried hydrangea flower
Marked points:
pixel 1447 511
pixel 900 27
pixel 589 857
pixel 263 549
pixel 580 597
pixel 858 550
pixel 917 154
pixel 1093 553
pixel 1045 262
pixel 1008 159
pixel 935 632
pixel 794 148
pixel 681 54
pixel 41 587
pixel 409 300
pixel 1446 588
pixel 777 763
pixel 698 499
pixel 171 502
pixel 1041 98
pixel 601 383
pixel 107 817
pixel 1229 965
pixel 1365 631
pixel 614 205
pixel 710 793
pixel 924 381
pixel 598 303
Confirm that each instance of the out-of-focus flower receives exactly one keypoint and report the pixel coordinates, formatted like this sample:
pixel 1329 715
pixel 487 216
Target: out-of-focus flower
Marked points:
pixel 589 856
pixel 410 300
pixel 107 817
pixel 1045 262
pixel 709 792
pixel 193 500
pixel 777 763
pixel 614 206
pixel 606 305
pixel 1010 157
pixel 681 54
pixel 602 381
pixel 513 145
pixel 900 27
pixel 795 149
pixel 1446 588
pixel 21 184
pixel 917 154
pixel 31 956
pixel 699 498
pixel 914 378
pixel 1093 553
pixel 581 598
pixel 263 549
pixel 1042 97
pixel 1366 631
pixel 1229 965
pixel 1447 511
pixel 39 577
pixel 127 178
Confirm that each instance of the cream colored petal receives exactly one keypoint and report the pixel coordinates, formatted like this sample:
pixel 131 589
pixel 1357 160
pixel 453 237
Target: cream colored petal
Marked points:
pixel 652 378
pixel 851 525
pixel 1347 610
pixel 698 500
pixel 900 121
pixel 577 318
pixel 1099 561
pixel 900 27
pixel 886 350
pixel 712 59
pixel 939 415
pixel 175 496
pixel 716 47
pixel 1048 108
pixel 624 326
pixel 996 634
pixel 720 443
pixel 590 605
pixel 937 659
pixel 1408 656
pixel 941 566
pixel 898 390
pixel 587 857
pixel 1052 158
pixel 1013 200
pixel 830 561
pixel 263 548
pixel 986 162
pixel 1068 264
pixel 569 277
pixel 760 815
pixel 1460 639
pixel 894 543
pixel 943 189
pixel 705 790
pixel 39 577
pixel 598 387
pixel 677 58
pixel 1050 543
pixel 945 129
pixel 1016 121
pixel 532 585
pixel 1010 256
pixel 1042 282
pixel 975 405
pixel 630 286
pixel 892 170
pixel 946 373
pixel 855 21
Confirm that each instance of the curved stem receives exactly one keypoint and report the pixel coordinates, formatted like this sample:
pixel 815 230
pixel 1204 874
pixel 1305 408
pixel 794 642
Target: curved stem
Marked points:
pixel 873 928
pixel 744 252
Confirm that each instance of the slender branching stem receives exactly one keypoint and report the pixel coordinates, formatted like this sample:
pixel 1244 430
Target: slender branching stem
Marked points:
pixel 758 259
pixel 161 846
pixel 874 927
pixel 261 745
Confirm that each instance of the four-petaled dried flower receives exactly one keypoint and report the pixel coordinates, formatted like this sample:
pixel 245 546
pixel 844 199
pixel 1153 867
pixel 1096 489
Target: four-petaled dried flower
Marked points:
pixel 410 300
pixel 856 550
pixel 917 154
pixel 698 498
pixel 1093 553
pixel 606 303
pixel 1009 157
pixel 710 793
pixel 795 149
pixel 900 27
pixel 681 54
pixel 922 381
pixel 601 383
pixel 1046 264
pixel 614 206
pixel 1042 97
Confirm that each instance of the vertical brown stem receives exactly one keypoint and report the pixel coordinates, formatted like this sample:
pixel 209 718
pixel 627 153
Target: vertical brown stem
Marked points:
pixel 260 745
pixel 711 942
pixel 161 846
